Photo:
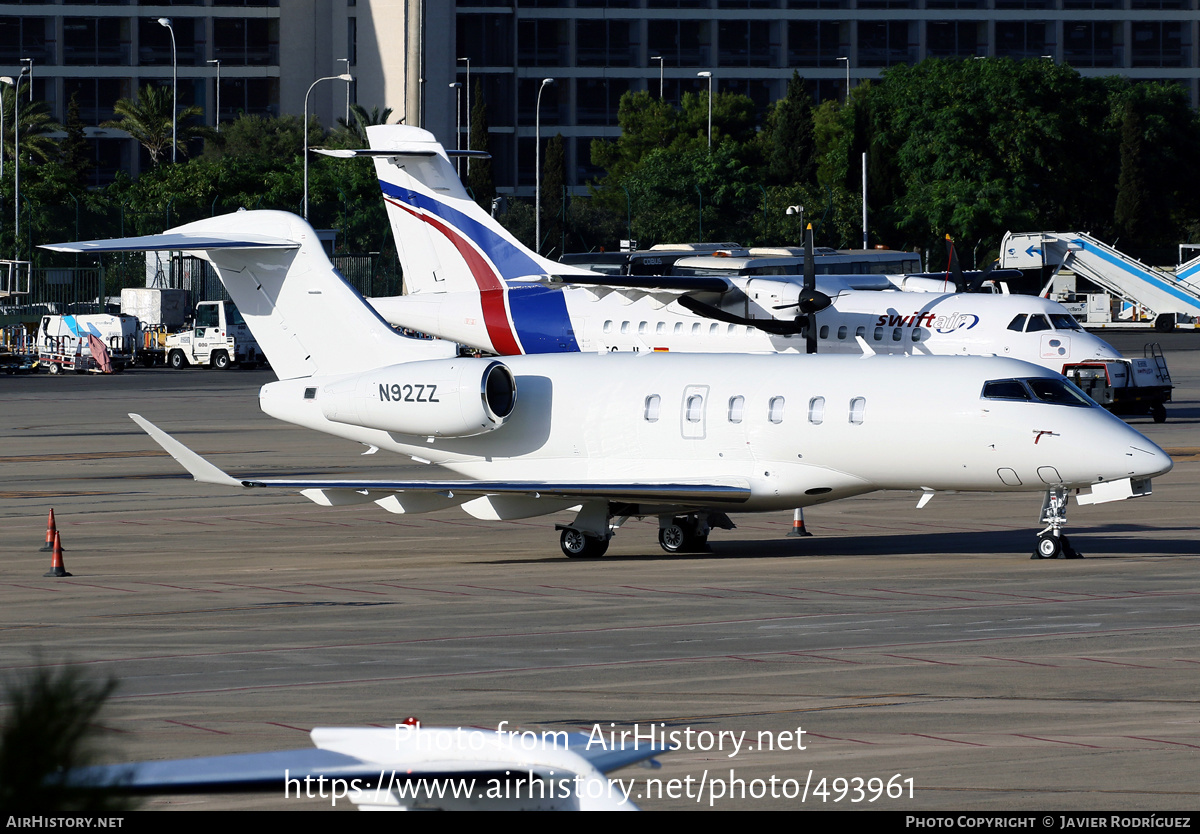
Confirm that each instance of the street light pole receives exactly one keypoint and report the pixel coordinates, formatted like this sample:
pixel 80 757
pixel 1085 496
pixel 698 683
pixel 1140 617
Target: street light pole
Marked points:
pixel 469 145
pixel 346 61
pixel 454 85
pixel 659 58
pixel 166 21
pixel 708 75
pixel 17 163
pixel 342 77
pixel 847 60
pixel 218 89
pixel 537 167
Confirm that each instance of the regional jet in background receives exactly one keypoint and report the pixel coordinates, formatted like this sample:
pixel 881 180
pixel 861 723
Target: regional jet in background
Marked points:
pixel 684 438
pixel 469 280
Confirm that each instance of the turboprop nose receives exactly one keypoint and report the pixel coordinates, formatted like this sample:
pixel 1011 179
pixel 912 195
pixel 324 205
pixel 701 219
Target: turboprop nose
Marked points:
pixel 1147 459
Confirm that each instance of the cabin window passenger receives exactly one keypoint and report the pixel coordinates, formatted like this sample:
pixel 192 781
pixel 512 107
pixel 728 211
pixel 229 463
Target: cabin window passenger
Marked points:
pixel 695 406
pixel 816 410
pixel 714 329
pixel 608 325
pixel 660 329
pixel 896 334
pixel 916 334
pixel 624 327
pixel 652 404
pixel 1018 323
pixel 878 334
pixel 731 330
pixel 696 329
pixel 842 332
pixel 737 407
pixel 824 331
pixel 678 328
pixel 860 332
pixel 858 405
pixel 775 410
pixel 642 329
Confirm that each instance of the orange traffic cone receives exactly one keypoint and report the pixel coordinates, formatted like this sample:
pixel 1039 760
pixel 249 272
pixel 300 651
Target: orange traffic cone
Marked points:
pixel 50 531
pixel 798 524
pixel 56 561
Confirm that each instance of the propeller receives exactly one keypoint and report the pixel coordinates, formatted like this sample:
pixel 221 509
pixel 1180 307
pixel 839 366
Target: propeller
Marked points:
pixel 811 300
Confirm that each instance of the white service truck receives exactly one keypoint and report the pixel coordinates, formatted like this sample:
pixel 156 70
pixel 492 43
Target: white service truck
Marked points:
pixel 218 337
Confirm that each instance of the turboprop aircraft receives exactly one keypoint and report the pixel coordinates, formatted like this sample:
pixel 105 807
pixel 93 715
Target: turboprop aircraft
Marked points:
pixel 682 437
pixel 470 281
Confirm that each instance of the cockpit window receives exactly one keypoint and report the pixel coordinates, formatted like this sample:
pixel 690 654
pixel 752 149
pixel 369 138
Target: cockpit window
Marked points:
pixel 1039 389
pixel 1018 323
pixel 1005 389
pixel 1059 392
pixel 1037 323
pixel 1062 321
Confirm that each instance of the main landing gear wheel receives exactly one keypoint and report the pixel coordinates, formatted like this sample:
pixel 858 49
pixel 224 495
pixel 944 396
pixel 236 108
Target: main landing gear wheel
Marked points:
pixel 682 536
pixel 577 545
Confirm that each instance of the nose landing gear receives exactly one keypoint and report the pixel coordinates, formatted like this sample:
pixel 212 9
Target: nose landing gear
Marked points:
pixel 1051 543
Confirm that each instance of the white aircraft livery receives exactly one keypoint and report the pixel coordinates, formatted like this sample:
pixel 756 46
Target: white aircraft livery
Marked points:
pixel 686 438
pixel 469 280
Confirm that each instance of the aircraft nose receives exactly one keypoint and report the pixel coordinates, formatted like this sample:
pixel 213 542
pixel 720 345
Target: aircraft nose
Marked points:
pixel 1148 460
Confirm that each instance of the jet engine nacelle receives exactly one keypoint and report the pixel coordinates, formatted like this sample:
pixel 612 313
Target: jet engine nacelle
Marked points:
pixel 437 398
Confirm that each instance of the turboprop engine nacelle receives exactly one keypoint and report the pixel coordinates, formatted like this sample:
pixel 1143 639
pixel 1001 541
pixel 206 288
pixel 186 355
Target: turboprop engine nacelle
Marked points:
pixel 769 295
pixel 436 398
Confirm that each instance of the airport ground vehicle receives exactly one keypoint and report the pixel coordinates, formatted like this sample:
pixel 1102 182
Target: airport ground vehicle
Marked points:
pixel 1141 385
pixel 216 337
pixel 83 343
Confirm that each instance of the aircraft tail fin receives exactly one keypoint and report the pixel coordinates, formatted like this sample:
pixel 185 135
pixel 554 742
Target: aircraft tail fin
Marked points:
pixel 446 242
pixel 306 318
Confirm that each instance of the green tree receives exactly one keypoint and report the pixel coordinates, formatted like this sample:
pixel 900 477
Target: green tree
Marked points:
pixel 148 119
pixel 479 171
pixel 554 178
pixel 35 125
pixel 788 133
pixel 51 728
pixel 360 119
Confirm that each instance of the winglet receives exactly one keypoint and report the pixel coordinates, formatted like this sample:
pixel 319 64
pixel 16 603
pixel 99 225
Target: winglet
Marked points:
pixel 201 469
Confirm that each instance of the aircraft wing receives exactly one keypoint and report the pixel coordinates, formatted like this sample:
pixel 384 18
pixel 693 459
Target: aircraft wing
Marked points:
pixel 673 283
pixel 341 491
pixel 385 768
pixel 172 242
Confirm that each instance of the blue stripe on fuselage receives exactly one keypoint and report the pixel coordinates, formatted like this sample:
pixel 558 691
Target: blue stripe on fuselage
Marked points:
pixel 539 314
pixel 509 259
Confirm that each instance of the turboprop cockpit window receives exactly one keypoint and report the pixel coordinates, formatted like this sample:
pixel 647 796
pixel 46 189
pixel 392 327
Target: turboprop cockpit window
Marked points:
pixel 1059 392
pixel 1018 323
pixel 1062 321
pixel 1005 389
pixel 1038 323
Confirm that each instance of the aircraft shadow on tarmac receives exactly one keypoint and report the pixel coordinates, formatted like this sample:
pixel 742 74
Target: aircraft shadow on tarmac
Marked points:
pixel 1105 541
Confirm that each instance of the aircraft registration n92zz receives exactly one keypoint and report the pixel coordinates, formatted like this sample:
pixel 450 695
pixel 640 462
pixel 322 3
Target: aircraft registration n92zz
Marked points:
pixel 686 438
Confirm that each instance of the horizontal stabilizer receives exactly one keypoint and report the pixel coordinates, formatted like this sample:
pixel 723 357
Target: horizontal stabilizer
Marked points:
pixel 173 242
pixel 350 153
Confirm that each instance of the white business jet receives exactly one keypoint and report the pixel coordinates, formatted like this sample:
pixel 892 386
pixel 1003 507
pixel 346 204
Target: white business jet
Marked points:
pixel 682 437
pixel 469 280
